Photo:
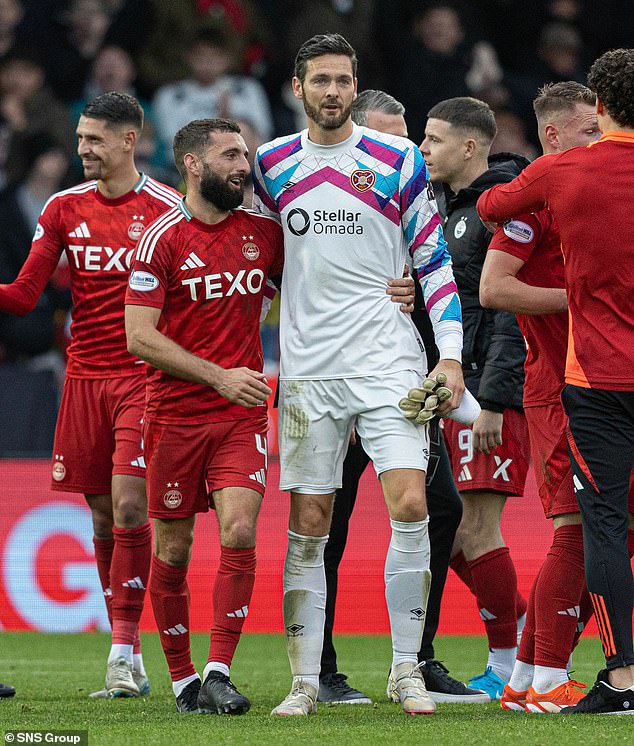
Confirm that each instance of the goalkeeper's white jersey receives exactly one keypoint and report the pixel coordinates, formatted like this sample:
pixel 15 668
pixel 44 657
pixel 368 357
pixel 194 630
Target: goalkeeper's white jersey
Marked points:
pixel 352 213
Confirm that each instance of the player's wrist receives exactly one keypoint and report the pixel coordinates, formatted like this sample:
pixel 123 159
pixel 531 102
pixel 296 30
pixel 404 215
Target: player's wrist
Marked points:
pixel 451 353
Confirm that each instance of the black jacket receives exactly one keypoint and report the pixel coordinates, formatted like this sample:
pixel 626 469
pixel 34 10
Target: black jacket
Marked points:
pixel 493 351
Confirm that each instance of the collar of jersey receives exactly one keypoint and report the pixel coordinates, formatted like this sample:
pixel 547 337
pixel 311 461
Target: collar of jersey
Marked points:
pixel 208 227
pixel 136 189
pixel 616 136
pixel 328 150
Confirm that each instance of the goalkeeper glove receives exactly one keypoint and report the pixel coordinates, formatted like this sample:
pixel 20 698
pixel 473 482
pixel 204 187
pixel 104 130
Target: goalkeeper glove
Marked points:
pixel 420 404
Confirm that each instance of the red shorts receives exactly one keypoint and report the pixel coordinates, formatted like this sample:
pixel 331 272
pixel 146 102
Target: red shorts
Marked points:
pixel 503 470
pixel 98 433
pixel 547 427
pixel 187 463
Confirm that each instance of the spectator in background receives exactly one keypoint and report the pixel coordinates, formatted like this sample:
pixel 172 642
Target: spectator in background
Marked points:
pixel 23 338
pixel 73 43
pixel 559 52
pixel 439 62
pixel 11 15
pixel 27 106
pixel 210 91
pixel 511 136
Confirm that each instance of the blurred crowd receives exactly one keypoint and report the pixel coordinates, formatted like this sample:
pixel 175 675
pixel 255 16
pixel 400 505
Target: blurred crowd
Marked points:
pixel 187 59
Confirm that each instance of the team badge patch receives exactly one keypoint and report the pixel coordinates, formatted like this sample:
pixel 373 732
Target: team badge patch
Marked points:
pixel 39 232
pixel 143 281
pixel 461 227
pixel 519 231
pixel 59 470
pixel 362 179
pixel 250 250
pixel 172 499
pixel 136 227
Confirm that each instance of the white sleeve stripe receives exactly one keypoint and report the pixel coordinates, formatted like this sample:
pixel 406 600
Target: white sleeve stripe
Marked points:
pixel 255 214
pixel 146 247
pixel 168 200
pixel 158 187
pixel 79 189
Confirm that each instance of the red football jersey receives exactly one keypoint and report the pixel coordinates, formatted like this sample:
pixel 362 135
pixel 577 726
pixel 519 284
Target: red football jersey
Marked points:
pixel 534 238
pixel 99 236
pixel 209 282
pixel 586 190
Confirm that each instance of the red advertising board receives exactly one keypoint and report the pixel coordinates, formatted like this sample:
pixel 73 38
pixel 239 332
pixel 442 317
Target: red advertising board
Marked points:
pixel 48 579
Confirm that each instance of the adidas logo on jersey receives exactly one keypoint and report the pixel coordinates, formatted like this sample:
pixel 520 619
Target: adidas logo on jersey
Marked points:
pixel 239 613
pixel 80 232
pixel 465 474
pixel 259 476
pixel 134 583
pixel 192 262
pixel 140 462
pixel 486 616
pixel 573 611
pixel 177 629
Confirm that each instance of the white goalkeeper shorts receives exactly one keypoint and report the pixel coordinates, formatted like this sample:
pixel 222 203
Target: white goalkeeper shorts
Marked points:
pixel 316 418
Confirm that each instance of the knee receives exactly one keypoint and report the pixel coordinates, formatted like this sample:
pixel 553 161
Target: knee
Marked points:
pixel 175 551
pixel 238 534
pixel 409 507
pixel 102 517
pixel 311 517
pixel 130 509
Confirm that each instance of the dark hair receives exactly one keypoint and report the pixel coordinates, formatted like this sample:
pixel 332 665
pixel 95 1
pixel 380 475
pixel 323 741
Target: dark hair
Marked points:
pixel 372 100
pixel 611 77
pixel 319 45
pixel 467 114
pixel 212 37
pixel 194 137
pixel 115 108
pixel 561 98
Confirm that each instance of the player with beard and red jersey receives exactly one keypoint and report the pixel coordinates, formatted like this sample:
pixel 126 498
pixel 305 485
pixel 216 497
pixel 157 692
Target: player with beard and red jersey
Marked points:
pixel 195 296
pixel 98 449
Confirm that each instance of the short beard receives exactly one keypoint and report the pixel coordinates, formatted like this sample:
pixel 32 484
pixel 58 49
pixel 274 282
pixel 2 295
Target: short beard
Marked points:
pixel 213 189
pixel 326 123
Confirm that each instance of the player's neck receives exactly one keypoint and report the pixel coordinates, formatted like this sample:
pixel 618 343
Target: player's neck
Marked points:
pixel 120 183
pixel 204 210
pixel 321 136
pixel 471 172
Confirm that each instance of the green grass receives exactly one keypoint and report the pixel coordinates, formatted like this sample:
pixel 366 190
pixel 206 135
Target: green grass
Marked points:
pixel 54 673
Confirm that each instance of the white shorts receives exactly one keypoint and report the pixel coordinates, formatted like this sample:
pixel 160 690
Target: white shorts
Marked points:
pixel 317 417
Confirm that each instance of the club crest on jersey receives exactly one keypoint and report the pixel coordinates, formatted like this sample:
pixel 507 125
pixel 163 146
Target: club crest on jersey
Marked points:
pixel 172 499
pixel 362 179
pixel 136 227
pixel 461 227
pixel 250 250
pixel 59 470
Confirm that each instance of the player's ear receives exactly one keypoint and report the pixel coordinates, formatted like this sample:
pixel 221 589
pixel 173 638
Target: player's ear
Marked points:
pixel 192 163
pixel 551 135
pixel 130 138
pixel 470 147
pixel 297 88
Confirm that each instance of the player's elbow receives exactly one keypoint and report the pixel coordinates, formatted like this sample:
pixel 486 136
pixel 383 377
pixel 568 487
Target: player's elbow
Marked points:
pixel 488 294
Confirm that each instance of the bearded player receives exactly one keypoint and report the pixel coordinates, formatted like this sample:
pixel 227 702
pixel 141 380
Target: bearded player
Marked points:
pixel 97 448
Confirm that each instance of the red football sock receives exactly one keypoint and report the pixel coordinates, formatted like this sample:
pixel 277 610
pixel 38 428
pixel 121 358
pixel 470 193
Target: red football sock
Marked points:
pixel 495 583
pixel 103 556
pixel 460 566
pixel 129 575
pixel 557 596
pixel 526 650
pixel 231 597
pixel 170 601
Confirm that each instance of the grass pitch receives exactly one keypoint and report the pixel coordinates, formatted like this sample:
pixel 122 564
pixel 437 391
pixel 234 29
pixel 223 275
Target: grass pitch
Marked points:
pixel 53 675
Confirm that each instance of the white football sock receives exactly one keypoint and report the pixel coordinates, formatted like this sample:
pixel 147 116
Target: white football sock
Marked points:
pixel 216 666
pixel 305 604
pixel 178 686
pixel 502 661
pixel 137 664
pixel 120 651
pixel 520 628
pixel 407 581
pixel 547 678
pixel 522 676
